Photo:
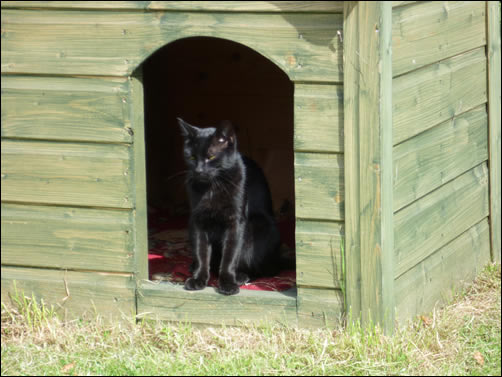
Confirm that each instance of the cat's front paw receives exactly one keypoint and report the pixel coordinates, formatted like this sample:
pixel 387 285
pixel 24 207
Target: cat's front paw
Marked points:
pixel 227 288
pixel 192 284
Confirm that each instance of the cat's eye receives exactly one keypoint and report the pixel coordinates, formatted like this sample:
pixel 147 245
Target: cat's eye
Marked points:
pixel 211 158
pixel 192 157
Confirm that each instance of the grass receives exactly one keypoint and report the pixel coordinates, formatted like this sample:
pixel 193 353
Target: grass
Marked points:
pixel 464 338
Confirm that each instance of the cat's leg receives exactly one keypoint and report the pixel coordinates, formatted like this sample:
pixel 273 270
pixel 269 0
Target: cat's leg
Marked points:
pixel 230 252
pixel 202 255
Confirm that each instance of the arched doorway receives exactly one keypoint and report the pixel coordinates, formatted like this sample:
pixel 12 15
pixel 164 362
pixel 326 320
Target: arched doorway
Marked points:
pixel 205 80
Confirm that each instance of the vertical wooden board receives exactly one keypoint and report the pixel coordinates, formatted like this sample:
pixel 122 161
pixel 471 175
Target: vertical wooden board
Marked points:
pixel 494 105
pixel 319 191
pixel 103 43
pixel 433 94
pixel 318 118
pixel 66 173
pixel 73 294
pixel 67 238
pixel 441 274
pixel 64 108
pixel 139 178
pixel 429 31
pixel 436 219
pixel 434 157
pixel 374 93
pixel 320 307
pixel 318 254
pixel 171 302
pixel 351 80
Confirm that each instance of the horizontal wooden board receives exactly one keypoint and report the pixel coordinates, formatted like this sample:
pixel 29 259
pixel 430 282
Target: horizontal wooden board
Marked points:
pixel 67 238
pixel 63 108
pixel 66 173
pixel 429 31
pixel 318 118
pixel 73 294
pixel 434 157
pixel 305 46
pixel 318 255
pixel 440 275
pixel 171 302
pixel 320 307
pixel 228 6
pixel 438 92
pixel 436 219
pixel 319 189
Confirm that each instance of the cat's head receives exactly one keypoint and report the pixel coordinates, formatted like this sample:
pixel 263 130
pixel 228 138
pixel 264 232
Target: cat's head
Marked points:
pixel 208 150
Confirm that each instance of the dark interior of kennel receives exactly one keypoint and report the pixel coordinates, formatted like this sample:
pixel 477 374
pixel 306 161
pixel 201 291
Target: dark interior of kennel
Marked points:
pixel 206 80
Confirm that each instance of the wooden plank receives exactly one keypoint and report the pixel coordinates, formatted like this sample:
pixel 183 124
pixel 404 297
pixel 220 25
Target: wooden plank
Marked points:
pixel 139 178
pixel 318 255
pixel 374 120
pixel 438 92
pixel 74 294
pixel 66 173
pixel 67 238
pixel 436 156
pixel 305 46
pixel 319 190
pixel 320 307
pixel 436 219
pixel 430 31
pixel 438 277
pixel 494 104
pixel 227 6
pixel 57 108
pixel 401 3
pixel 318 118
pixel 351 79
pixel 171 302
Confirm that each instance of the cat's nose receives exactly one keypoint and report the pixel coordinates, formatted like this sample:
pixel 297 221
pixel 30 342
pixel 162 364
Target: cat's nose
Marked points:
pixel 198 169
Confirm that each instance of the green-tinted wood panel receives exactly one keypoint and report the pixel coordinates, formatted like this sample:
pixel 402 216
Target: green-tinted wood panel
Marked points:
pixel 320 307
pixel 171 302
pixel 436 219
pixel 66 173
pixel 86 109
pixel 434 157
pixel 318 255
pixel 319 187
pixel 431 95
pixel 67 238
pixel 429 31
pixel 227 6
pixel 74 294
pixel 305 46
pixel 435 279
pixel 318 118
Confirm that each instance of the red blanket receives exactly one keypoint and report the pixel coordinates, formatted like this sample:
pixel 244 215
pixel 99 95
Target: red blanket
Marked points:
pixel 170 257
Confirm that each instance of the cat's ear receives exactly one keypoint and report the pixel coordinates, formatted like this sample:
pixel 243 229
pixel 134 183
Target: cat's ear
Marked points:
pixel 187 130
pixel 226 131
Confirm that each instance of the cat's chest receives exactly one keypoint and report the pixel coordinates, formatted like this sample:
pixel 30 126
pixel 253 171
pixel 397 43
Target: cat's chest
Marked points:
pixel 214 207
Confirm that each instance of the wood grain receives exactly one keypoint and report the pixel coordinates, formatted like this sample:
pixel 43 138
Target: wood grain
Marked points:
pixel 74 294
pixel 432 158
pixel 318 118
pixel 429 96
pixel 438 218
pixel 67 238
pixel 305 46
pixel 66 173
pixel 433 281
pixel 430 31
pixel 319 308
pixel 56 108
pixel 319 189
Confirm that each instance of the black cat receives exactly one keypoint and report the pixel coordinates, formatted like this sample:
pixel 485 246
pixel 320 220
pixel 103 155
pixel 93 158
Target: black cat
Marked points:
pixel 232 227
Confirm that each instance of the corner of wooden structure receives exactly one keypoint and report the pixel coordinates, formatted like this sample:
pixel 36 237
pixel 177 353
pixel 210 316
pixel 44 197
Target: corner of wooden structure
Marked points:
pixel 494 104
pixel 369 228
